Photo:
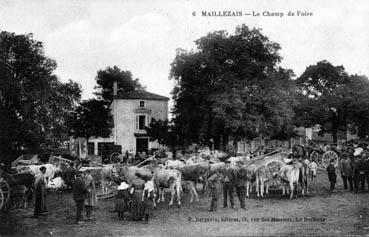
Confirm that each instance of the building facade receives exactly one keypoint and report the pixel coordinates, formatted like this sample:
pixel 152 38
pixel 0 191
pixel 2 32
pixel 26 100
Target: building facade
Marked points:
pixel 132 112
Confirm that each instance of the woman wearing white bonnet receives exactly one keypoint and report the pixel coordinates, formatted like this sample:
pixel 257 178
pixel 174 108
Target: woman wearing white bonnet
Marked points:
pixel 123 197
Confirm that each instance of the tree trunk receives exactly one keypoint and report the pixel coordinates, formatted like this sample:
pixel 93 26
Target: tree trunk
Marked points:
pixel 335 136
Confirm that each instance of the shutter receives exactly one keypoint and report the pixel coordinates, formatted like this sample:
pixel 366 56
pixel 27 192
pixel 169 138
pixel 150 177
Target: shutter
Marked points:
pixel 137 122
pixel 148 120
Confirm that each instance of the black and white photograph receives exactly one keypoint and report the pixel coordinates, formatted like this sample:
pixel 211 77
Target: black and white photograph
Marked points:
pixel 184 118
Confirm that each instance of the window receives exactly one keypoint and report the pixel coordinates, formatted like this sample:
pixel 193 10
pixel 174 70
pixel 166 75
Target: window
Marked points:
pixel 141 122
pixel 142 104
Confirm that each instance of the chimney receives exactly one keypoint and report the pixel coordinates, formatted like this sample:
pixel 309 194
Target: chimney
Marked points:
pixel 115 88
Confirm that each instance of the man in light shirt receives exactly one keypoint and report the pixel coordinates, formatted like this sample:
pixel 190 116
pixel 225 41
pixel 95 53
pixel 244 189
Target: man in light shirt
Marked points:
pixel 40 188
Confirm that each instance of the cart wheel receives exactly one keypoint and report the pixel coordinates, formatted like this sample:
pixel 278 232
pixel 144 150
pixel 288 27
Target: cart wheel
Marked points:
pixel 5 192
pixel 114 157
pixel 329 155
pixel 1 199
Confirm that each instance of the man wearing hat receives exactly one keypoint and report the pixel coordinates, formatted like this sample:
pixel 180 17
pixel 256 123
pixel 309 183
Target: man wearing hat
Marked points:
pixel 40 187
pixel 346 171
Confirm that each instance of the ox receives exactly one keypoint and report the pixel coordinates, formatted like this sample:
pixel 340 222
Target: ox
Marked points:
pixel 51 170
pixel 21 186
pixel 109 173
pixel 168 178
pixel 195 172
pixel 173 164
pixel 249 172
pixel 288 175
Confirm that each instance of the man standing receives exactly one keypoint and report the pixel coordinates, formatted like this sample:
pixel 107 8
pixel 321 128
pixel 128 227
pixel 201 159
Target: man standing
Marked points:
pixel 70 175
pixel 228 187
pixel 91 198
pixel 361 168
pixel 346 171
pixel 40 188
pixel 366 168
pixel 331 175
pixel 214 185
pixel 240 183
pixel 79 195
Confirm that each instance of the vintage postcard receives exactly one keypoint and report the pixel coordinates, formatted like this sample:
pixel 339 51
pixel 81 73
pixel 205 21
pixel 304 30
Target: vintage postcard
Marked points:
pixel 184 118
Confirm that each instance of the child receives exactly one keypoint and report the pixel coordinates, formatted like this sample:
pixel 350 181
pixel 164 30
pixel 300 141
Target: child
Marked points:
pixel 123 197
pixel 332 174
pixel 213 183
pixel 148 196
pixel 313 169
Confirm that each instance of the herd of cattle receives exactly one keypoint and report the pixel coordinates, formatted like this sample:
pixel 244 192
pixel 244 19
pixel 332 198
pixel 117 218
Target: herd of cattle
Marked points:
pixel 257 174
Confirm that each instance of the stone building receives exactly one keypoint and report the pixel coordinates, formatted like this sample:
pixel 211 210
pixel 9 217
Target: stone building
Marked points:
pixel 131 112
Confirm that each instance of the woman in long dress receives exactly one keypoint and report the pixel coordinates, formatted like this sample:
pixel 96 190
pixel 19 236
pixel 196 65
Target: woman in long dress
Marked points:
pixel 91 199
pixel 138 185
pixel 123 197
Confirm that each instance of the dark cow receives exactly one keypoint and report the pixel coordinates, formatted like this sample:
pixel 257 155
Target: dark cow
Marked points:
pixel 195 172
pixel 21 186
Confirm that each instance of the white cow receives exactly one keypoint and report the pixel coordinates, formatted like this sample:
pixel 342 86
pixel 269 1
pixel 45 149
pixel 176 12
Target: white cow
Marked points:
pixel 51 170
pixel 56 183
pixel 173 164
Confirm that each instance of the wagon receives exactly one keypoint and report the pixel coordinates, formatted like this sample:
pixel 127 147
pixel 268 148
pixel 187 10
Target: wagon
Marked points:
pixel 323 158
pixel 4 192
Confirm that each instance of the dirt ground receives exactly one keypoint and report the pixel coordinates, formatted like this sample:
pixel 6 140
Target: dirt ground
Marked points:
pixel 341 213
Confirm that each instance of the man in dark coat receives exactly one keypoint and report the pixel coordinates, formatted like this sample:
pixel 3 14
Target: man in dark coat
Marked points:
pixel 213 182
pixel 79 195
pixel 70 175
pixel 228 187
pixel 367 169
pixel 361 169
pixel 347 172
pixel 240 184
pixel 356 175
pixel 332 175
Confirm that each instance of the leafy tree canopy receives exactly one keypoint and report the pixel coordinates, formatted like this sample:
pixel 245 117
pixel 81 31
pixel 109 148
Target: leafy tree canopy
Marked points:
pixel 91 118
pixel 231 85
pixel 35 105
pixel 105 79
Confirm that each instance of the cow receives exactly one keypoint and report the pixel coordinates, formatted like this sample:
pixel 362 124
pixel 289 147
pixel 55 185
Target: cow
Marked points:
pixel 263 177
pixel 195 172
pixel 22 184
pixel 128 173
pixel 51 170
pixel 191 187
pixel 109 173
pixel 248 171
pixel 56 183
pixel 168 178
pixel 304 176
pixel 288 175
pixel 173 164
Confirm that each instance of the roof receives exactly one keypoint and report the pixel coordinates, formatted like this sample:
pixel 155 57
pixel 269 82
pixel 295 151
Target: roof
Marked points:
pixel 140 94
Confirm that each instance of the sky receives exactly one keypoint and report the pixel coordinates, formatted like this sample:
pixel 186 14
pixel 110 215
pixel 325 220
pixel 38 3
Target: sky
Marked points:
pixel 142 36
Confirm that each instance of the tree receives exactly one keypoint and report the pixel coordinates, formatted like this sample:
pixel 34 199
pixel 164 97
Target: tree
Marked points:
pixel 105 79
pixel 352 99
pixel 221 87
pixel 33 107
pixel 318 103
pixel 91 118
pixel 165 133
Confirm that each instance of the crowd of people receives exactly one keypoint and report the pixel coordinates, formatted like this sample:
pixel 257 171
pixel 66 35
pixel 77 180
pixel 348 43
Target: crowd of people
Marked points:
pixel 354 168
pixel 137 196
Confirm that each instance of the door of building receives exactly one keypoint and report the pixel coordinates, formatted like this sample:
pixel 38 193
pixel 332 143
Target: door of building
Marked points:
pixel 142 144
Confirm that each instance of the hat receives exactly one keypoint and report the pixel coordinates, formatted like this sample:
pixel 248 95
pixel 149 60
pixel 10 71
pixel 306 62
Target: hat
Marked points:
pixel 123 186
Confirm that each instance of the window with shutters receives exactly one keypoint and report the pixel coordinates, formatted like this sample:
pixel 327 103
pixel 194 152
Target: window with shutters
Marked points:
pixel 141 122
